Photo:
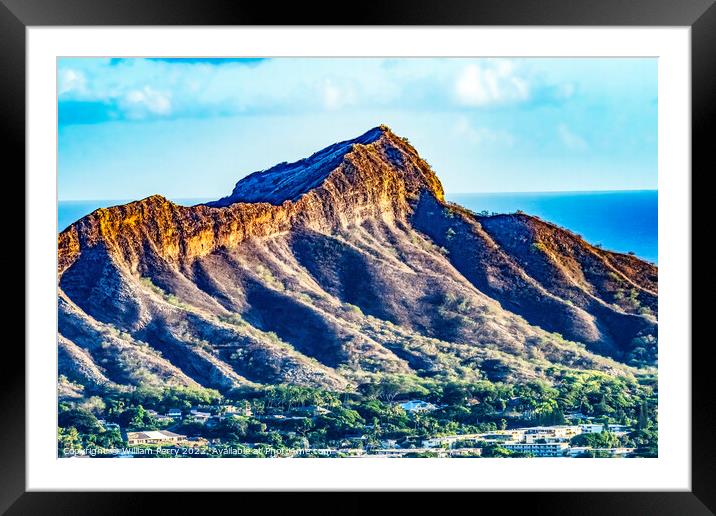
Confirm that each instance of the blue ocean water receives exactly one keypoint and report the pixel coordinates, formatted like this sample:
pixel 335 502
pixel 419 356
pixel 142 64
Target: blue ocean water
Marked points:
pixel 621 221
pixel 624 221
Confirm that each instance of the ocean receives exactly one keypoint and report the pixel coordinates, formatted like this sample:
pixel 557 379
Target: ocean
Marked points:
pixel 624 221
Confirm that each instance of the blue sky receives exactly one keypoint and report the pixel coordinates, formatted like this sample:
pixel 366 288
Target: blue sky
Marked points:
pixel 190 128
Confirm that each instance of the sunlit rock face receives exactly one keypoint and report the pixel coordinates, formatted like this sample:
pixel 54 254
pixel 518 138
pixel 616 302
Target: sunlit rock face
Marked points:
pixel 325 271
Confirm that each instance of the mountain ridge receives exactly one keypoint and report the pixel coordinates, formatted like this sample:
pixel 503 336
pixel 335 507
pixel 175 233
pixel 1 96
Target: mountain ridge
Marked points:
pixel 105 222
pixel 343 265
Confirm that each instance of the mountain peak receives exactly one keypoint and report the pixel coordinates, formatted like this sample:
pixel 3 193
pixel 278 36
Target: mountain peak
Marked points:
pixel 289 181
pixel 351 265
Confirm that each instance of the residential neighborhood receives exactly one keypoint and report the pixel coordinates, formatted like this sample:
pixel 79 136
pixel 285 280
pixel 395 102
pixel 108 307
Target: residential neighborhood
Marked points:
pixel 536 441
pixel 460 420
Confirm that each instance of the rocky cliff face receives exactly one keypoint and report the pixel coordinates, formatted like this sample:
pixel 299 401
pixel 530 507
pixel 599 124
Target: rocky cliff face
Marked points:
pixel 343 265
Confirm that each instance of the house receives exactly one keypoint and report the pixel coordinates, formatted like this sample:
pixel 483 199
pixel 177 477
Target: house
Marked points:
pixel 310 411
pixel 159 417
pixel 174 413
pixel 107 426
pixel 592 428
pixel 319 411
pixel 199 416
pixel 621 452
pixel 238 411
pixel 575 415
pixel 154 437
pixel 417 406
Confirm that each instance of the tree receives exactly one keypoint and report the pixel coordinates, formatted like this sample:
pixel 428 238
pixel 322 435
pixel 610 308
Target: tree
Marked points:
pixel 232 429
pixel 137 418
pixel 643 417
pixel 603 439
pixel 492 450
pixel 94 405
pixel 274 439
pixel 646 442
pixel 454 393
pixel 109 439
pixel 68 439
pixel 80 419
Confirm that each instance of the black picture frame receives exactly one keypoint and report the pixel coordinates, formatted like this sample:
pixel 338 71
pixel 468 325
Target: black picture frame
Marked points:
pixel 699 15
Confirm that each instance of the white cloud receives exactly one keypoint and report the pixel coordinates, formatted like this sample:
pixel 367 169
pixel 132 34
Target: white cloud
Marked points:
pixel 71 80
pixel 494 82
pixel 570 139
pixel 483 135
pixel 337 96
pixel 145 89
pixel 331 96
pixel 139 103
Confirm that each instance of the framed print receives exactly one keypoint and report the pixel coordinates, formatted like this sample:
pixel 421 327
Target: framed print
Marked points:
pixel 442 249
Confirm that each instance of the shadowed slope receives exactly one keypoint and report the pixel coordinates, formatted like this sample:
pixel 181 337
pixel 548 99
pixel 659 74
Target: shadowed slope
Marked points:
pixel 337 267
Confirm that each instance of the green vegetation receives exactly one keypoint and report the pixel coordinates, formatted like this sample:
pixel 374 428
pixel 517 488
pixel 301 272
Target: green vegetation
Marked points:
pixel 293 417
pixel 539 246
pixel 169 298
pixel 644 351
pixel 267 277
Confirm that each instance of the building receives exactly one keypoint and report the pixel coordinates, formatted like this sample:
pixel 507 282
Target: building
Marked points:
pixel 174 414
pixel 551 433
pixel 595 428
pixel 592 428
pixel 538 449
pixel 417 406
pixel 576 451
pixel 319 411
pixel 154 437
pixel 199 416
pixel 238 411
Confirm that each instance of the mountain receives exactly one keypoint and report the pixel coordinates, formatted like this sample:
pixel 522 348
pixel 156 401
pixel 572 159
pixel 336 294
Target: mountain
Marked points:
pixel 337 269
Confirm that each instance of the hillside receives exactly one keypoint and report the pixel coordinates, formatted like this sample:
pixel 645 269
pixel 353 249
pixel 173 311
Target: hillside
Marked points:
pixel 335 269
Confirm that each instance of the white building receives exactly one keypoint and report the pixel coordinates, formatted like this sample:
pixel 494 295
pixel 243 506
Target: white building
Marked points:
pixel 153 437
pixel 575 451
pixel 417 406
pixel 200 416
pixel 595 428
pixel 551 433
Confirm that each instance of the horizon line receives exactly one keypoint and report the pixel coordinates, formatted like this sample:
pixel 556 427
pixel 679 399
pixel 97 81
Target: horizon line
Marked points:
pixel 446 193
